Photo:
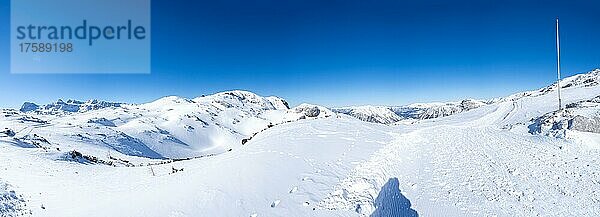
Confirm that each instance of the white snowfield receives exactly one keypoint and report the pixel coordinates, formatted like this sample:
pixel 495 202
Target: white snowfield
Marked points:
pixel 513 156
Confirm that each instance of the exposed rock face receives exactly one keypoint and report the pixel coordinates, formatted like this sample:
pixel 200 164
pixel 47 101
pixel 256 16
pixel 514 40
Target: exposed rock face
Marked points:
pixel 68 106
pixel 583 116
pixel 309 111
pixel 450 109
pixel 585 124
pixel 28 106
pixel 278 103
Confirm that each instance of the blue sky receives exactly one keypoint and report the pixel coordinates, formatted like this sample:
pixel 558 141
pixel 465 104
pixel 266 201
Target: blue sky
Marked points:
pixel 336 53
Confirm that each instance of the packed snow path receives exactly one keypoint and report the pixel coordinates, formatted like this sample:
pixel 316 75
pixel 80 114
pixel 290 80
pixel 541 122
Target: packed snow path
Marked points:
pixel 481 163
pixel 480 172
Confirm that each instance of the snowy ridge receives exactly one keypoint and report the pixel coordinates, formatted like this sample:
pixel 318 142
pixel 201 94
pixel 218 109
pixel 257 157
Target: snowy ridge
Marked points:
pixel 68 106
pixel 437 110
pixel 418 111
pixel 170 127
pixel 375 114
pixel 588 79
pixel 421 111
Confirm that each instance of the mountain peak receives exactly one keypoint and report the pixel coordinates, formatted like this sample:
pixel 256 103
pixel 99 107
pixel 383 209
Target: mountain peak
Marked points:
pixel 70 105
pixel 242 98
pixel 369 113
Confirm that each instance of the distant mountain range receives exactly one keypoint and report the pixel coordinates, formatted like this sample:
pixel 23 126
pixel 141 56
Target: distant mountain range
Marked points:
pixel 175 127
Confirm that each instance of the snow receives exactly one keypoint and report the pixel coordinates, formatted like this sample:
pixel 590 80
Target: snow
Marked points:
pixel 312 111
pixel 417 111
pixel 11 203
pixel 170 127
pixel 68 106
pixel 482 160
pixel 375 114
pixel 251 178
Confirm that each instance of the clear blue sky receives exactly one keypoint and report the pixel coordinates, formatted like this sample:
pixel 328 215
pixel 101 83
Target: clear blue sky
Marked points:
pixel 337 52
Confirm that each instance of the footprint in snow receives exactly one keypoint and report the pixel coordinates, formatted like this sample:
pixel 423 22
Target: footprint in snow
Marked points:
pixel 275 203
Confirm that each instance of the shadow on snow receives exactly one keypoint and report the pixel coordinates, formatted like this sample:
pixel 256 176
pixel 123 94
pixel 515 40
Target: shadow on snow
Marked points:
pixel 391 202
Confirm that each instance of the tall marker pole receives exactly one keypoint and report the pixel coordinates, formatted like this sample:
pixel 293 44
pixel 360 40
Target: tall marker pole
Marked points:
pixel 558 64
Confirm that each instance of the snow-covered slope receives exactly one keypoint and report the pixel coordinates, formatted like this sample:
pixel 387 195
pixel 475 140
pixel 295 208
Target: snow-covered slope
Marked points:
pixel 420 111
pixel 280 172
pixel 484 161
pixel 170 127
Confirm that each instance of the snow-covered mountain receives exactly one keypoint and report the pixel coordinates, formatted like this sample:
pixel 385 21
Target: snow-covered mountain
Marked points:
pixel 418 111
pixel 239 154
pixel 375 114
pixel 589 79
pixel 421 111
pixel 170 127
pixel 68 106
pixel 436 110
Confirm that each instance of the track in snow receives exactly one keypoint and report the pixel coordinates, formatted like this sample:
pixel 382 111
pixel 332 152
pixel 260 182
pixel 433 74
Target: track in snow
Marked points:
pixel 477 171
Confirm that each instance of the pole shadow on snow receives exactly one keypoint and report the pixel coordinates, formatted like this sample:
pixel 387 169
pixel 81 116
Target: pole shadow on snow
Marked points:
pixel 391 202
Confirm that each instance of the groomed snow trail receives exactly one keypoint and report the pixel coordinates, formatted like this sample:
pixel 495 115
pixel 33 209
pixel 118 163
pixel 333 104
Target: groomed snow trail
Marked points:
pixel 478 171
pixel 480 163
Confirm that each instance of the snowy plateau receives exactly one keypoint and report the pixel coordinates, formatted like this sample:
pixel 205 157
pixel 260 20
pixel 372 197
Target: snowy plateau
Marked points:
pixel 239 154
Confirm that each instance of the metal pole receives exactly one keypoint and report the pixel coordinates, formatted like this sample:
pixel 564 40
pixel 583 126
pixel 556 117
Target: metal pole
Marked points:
pixel 558 64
